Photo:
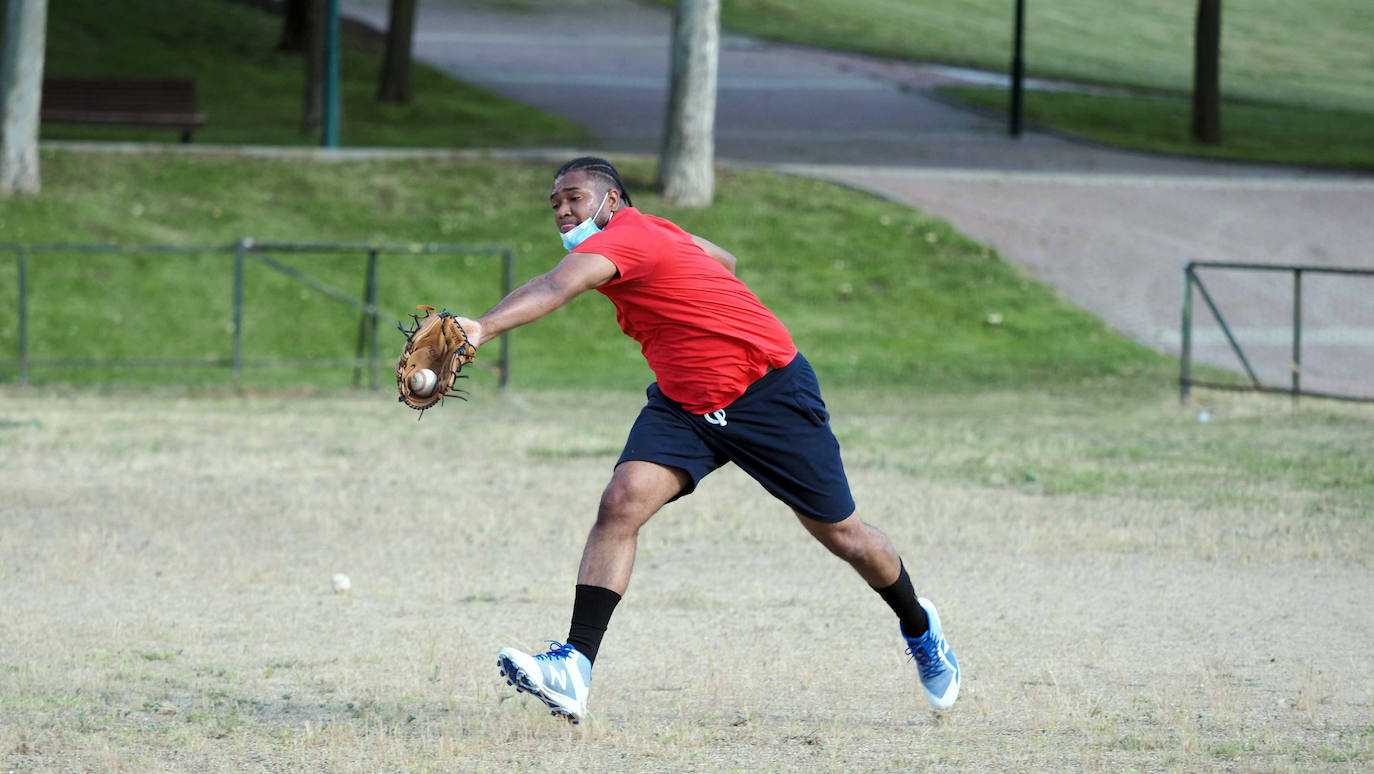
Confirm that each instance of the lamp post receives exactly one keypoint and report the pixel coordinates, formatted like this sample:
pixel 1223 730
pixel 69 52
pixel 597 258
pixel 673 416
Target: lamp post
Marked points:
pixel 329 138
pixel 1018 68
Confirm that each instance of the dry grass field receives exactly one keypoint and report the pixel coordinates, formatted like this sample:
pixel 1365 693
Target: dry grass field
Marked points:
pixel 1126 588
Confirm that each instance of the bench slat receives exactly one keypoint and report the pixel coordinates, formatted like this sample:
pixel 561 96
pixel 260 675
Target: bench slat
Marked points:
pixel 176 120
pixel 106 101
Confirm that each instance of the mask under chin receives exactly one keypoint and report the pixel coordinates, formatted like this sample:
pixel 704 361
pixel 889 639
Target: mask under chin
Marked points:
pixel 579 233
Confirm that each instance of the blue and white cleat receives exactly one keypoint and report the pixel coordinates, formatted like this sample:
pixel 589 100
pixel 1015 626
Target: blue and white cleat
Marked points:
pixel 939 670
pixel 561 678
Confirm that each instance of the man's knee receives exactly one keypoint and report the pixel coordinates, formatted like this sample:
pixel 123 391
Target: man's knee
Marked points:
pixel 627 501
pixel 620 502
pixel 848 539
pixel 636 492
pixel 849 548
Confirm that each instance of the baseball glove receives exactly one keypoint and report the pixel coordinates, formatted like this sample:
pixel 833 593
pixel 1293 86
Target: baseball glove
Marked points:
pixel 438 344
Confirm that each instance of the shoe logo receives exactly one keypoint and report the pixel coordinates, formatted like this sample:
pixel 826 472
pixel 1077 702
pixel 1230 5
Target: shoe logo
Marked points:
pixel 716 417
pixel 558 679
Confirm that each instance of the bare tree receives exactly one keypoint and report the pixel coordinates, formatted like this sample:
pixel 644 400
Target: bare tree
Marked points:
pixel 400 28
pixel 686 163
pixel 21 95
pixel 1207 73
pixel 295 14
pixel 312 117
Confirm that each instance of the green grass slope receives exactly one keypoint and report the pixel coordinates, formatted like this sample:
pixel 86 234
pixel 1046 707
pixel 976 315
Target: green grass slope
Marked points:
pixel 1266 133
pixel 874 293
pixel 1298 78
pixel 1318 53
pixel 253 94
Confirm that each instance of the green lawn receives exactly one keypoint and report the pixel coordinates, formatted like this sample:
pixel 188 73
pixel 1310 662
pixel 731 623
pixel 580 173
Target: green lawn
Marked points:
pixel 875 293
pixel 1298 77
pixel 1250 132
pixel 1318 53
pixel 253 94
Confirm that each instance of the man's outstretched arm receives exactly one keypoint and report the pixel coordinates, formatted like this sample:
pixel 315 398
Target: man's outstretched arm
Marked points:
pixel 574 275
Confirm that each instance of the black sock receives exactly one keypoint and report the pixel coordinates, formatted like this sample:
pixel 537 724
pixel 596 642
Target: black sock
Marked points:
pixel 901 597
pixel 592 608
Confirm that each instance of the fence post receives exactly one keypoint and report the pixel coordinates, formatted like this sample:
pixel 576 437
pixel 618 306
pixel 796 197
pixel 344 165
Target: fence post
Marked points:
pixel 367 325
pixel 1297 333
pixel 23 317
pixel 1186 354
pixel 507 274
pixel 1226 329
pixel 240 248
pixel 372 317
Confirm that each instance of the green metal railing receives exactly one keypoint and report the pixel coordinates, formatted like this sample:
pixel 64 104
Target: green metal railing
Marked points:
pixel 366 351
pixel 1191 280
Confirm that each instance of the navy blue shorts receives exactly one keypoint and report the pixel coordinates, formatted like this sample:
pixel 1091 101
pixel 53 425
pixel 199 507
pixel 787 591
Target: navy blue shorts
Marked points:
pixel 778 432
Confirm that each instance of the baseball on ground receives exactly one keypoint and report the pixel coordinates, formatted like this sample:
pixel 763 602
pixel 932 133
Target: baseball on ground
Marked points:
pixel 340 582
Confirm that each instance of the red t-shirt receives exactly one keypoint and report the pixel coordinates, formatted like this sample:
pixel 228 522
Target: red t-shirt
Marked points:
pixel 706 336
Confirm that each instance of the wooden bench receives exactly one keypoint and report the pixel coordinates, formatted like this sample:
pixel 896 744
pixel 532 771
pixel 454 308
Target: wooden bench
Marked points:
pixel 117 102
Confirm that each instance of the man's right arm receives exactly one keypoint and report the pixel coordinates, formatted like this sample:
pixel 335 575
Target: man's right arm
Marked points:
pixel 574 275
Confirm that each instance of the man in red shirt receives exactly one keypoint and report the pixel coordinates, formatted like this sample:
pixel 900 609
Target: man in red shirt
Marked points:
pixel 731 387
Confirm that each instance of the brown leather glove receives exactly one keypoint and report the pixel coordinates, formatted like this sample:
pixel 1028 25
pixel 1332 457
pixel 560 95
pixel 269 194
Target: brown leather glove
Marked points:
pixel 438 343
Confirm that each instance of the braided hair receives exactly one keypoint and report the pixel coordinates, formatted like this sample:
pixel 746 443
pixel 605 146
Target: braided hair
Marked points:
pixel 597 167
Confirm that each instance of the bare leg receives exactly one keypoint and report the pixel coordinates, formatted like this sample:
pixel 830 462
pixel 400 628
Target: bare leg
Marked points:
pixel 866 549
pixel 636 492
pixel 870 553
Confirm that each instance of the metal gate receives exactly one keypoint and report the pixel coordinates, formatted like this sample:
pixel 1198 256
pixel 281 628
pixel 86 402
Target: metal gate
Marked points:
pixel 366 354
pixel 1192 282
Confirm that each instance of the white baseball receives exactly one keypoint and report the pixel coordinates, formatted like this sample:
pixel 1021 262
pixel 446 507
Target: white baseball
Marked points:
pixel 422 382
pixel 340 582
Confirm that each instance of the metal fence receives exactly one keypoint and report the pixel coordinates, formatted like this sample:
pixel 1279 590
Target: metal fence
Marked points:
pixel 1191 282
pixel 366 354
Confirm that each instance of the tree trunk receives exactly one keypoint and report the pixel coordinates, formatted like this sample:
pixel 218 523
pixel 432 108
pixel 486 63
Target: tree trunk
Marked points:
pixel 21 95
pixel 1207 73
pixel 686 164
pixel 312 119
pixel 395 82
pixel 295 15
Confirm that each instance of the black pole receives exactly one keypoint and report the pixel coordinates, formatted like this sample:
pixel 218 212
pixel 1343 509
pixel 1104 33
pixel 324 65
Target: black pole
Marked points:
pixel 1297 333
pixel 507 277
pixel 1018 67
pixel 329 134
pixel 373 317
pixel 23 317
pixel 237 347
pixel 367 326
pixel 1185 357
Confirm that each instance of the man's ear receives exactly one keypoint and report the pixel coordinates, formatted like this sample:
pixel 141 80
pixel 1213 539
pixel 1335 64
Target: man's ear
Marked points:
pixel 613 200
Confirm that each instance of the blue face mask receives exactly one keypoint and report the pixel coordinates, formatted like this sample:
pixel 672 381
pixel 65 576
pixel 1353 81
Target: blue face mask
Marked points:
pixel 579 233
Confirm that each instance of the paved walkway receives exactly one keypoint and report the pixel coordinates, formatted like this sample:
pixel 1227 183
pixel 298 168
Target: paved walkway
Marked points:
pixel 1116 245
pixel 1110 229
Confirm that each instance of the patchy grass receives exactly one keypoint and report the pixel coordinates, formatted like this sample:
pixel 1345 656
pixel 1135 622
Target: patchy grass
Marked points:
pixel 170 607
pixel 1079 442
